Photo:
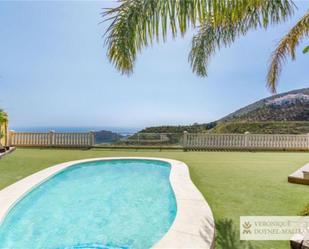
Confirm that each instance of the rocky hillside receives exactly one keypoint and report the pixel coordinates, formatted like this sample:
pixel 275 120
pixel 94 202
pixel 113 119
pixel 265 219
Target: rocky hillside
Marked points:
pixel 282 113
pixel 289 106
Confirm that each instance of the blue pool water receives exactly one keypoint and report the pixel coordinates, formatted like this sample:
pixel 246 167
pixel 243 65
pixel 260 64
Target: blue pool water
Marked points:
pixel 97 205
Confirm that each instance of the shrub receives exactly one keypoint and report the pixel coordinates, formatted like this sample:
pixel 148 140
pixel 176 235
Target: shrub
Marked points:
pixel 305 211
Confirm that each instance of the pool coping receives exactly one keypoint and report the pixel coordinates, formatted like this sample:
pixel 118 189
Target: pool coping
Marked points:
pixel 193 226
pixel 298 176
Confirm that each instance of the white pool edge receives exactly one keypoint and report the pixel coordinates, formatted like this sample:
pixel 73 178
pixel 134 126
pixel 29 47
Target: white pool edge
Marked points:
pixel 193 226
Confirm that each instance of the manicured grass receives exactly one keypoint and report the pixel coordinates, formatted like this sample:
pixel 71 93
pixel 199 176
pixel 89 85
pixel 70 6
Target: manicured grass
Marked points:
pixel 234 183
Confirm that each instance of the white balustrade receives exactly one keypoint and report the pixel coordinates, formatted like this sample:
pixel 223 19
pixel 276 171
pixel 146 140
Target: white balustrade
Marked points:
pixel 245 141
pixel 51 139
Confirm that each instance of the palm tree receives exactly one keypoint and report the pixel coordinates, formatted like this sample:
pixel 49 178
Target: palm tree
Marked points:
pixel 135 24
pixel 286 47
pixel 3 116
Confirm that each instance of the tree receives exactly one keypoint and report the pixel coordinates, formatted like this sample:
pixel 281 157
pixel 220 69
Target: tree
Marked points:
pixel 3 116
pixel 135 24
pixel 287 46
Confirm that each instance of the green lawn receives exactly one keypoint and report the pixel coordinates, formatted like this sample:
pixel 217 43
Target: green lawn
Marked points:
pixel 234 183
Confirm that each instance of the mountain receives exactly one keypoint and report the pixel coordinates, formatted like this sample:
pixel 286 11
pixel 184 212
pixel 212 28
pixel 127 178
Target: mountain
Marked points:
pixel 289 106
pixel 285 113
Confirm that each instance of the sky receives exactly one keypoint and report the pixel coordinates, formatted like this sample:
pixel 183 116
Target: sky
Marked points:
pixel 54 71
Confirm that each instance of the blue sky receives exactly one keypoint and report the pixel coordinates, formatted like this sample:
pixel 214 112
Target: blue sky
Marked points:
pixel 54 72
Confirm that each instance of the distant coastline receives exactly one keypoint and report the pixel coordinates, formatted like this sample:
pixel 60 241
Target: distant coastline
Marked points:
pixel 119 130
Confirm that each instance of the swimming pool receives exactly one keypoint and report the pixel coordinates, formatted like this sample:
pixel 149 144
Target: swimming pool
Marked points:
pixel 127 203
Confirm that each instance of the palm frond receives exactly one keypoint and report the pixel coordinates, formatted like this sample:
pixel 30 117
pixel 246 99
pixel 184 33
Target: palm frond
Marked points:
pixel 285 48
pixel 3 116
pixel 224 29
pixel 134 24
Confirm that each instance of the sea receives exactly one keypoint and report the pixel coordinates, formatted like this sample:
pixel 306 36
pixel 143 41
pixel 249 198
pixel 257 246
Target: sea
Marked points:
pixel 120 130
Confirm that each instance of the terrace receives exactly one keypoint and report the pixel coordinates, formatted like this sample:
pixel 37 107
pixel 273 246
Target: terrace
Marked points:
pixel 166 157
pixel 234 183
